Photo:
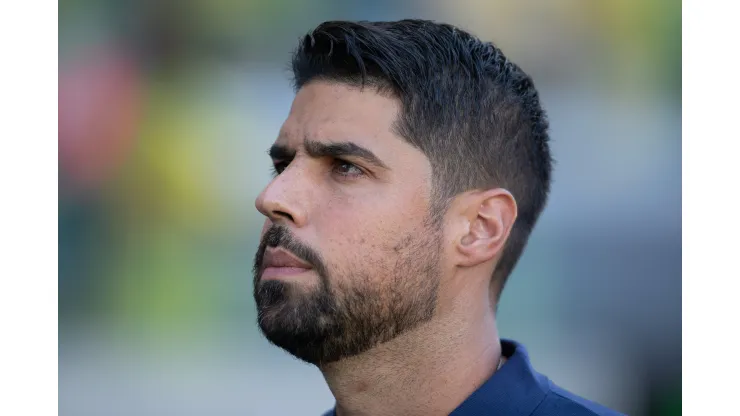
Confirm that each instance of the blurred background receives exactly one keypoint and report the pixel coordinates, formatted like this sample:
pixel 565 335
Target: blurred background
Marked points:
pixel 166 109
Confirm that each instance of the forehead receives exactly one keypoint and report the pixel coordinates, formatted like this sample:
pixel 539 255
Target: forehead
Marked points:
pixel 332 112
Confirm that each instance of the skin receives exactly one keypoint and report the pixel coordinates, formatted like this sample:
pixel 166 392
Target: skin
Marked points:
pixel 368 225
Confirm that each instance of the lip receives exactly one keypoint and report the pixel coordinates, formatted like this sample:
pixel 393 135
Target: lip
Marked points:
pixel 280 262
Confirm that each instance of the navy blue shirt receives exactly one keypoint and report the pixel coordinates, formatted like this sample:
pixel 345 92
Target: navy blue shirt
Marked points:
pixel 518 390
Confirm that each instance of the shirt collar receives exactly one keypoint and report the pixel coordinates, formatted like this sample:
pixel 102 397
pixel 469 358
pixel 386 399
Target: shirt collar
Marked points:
pixel 515 389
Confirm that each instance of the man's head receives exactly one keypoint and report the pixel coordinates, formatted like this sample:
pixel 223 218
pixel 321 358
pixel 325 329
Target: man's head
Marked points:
pixel 411 170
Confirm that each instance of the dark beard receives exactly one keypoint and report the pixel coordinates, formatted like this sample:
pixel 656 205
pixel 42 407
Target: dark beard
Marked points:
pixel 332 322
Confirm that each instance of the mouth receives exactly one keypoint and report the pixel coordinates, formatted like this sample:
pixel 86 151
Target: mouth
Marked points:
pixel 280 263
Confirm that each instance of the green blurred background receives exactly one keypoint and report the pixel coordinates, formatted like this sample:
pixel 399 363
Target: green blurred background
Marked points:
pixel 166 109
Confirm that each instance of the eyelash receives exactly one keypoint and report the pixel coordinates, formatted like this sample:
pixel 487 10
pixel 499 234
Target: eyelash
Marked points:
pixel 279 167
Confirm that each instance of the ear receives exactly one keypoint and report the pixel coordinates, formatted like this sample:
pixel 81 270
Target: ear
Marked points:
pixel 487 219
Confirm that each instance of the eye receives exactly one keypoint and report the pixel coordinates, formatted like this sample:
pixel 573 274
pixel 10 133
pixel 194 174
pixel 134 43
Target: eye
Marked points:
pixel 347 169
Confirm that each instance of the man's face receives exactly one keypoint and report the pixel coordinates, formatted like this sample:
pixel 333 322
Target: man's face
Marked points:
pixel 349 257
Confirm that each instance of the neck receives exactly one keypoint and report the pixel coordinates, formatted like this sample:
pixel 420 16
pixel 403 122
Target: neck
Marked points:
pixel 426 371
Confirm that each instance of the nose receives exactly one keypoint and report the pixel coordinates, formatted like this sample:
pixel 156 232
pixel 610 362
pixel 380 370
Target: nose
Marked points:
pixel 283 200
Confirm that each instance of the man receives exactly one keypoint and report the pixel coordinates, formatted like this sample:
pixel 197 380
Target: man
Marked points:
pixel 408 176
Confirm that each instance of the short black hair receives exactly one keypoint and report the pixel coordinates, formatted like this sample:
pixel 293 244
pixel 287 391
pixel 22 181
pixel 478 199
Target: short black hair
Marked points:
pixel 475 114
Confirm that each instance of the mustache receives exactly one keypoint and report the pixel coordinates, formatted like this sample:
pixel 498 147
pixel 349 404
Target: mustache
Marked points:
pixel 280 236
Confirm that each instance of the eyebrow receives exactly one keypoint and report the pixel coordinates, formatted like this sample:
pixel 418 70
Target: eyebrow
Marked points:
pixel 334 149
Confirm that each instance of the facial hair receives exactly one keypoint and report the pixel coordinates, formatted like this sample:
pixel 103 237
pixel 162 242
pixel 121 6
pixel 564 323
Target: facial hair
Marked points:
pixel 350 311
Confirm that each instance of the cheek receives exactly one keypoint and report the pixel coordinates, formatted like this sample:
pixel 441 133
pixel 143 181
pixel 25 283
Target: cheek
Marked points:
pixel 350 227
pixel 362 231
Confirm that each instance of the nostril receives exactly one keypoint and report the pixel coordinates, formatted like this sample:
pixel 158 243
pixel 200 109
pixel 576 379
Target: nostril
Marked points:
pixel 283 214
